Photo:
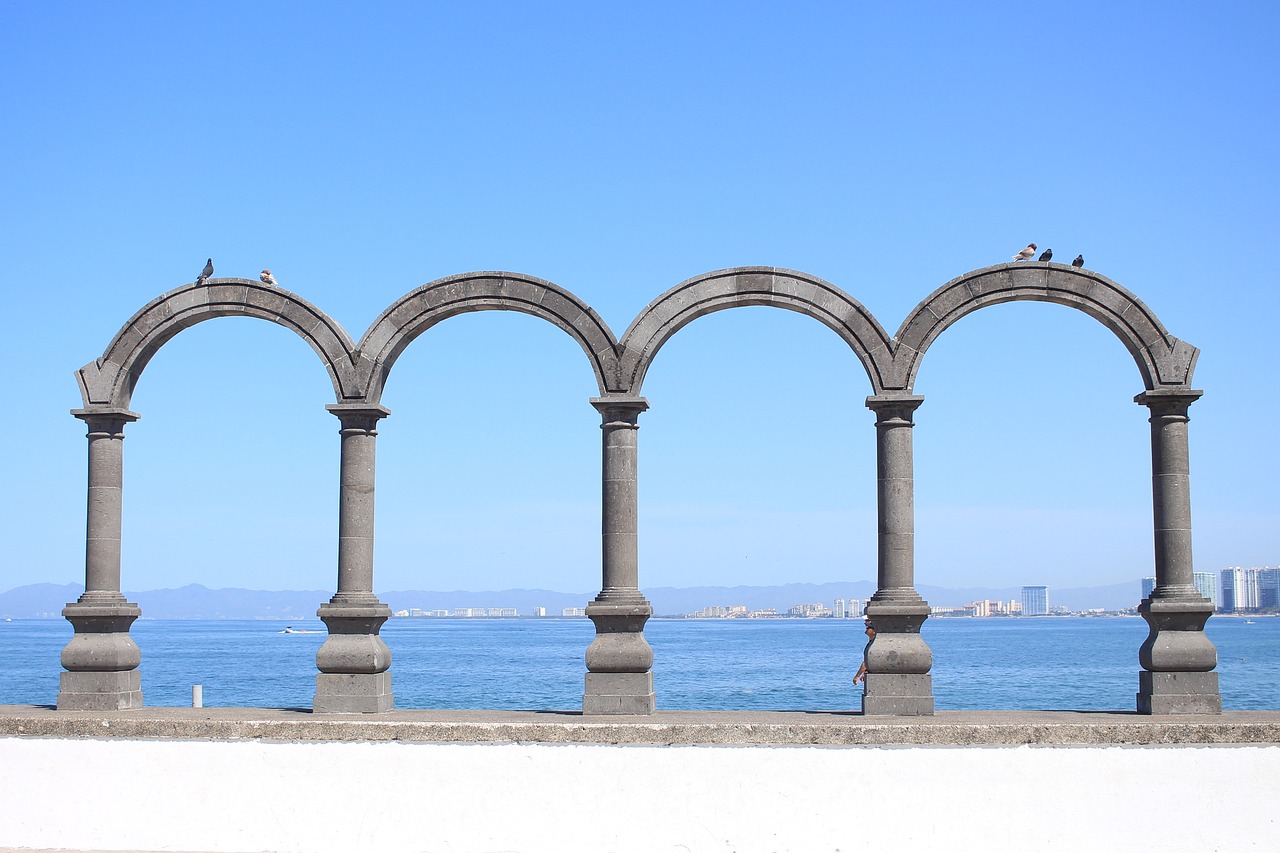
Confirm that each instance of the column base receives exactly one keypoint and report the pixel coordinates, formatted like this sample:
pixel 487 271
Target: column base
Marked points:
pixel 100 691
pixel 898 694
pixel 353 693
pixel 1178 693
pixel 618 693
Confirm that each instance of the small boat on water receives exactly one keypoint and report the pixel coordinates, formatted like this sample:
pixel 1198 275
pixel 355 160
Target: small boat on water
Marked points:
pixel 289 629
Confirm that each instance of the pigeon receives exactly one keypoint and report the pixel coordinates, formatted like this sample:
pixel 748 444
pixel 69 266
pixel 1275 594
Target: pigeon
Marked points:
pixel 205 273
pixel 267 277
pixel 1046 255
pixel 1027 253
pixel 1078 262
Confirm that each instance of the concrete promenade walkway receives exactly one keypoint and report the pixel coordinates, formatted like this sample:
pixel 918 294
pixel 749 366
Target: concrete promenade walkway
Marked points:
pixel 723 728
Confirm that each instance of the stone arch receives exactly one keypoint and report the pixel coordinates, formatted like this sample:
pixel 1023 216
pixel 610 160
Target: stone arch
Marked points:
pixel 730 288
pixel 1163 360
pixel 419 310
pixel 109 381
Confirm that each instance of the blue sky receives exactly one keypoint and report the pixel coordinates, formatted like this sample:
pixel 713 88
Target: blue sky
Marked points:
pixel 617 149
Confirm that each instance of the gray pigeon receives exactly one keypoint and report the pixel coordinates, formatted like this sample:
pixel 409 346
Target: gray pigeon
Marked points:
pixel 205 273
pixel 1027 253
pixel 1046 255
pixel 1078 262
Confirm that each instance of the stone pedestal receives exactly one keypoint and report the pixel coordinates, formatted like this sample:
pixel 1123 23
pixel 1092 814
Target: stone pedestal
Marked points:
pixel 898 661
pixel 1178 693
pixel 102 659
pixel 1177 658
pixel 618 693
pixel 898 694
pixel 353 693
pixel 619 659
pixel 100 691
pixel 354 660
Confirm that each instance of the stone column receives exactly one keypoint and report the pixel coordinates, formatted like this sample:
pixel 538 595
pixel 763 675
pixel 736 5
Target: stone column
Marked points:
pixel 619 678
pixel 898 659
pixel 1177 658
pixel 354 661
pixel 102 659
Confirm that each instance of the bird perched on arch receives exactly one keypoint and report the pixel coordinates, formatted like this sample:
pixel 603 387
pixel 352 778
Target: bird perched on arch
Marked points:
pixel 206 273
pixel 1027 253
pixel 267 277
pixel 1046 255
pixel 1078 262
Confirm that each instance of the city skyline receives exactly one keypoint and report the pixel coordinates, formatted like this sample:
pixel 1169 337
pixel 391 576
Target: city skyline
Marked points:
pixel 597 161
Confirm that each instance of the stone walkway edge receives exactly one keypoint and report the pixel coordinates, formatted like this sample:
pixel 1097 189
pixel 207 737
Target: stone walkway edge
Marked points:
pixel 663 728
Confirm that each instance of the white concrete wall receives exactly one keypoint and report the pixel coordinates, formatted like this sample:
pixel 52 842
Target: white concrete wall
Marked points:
pixel 350 797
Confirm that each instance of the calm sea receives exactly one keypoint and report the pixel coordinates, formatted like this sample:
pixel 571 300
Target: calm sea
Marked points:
pixel 1057 663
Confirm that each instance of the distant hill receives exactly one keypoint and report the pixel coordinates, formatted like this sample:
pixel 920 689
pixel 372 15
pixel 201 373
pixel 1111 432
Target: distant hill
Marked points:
pixel 195 601
pixel 38 600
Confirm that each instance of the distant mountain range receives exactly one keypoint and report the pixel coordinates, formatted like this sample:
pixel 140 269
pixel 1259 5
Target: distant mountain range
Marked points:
pixel 46 600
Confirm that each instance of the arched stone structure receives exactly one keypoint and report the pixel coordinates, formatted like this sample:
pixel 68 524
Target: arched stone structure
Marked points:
pixel 354 662
pixel 732 288
pixel 109 381
pixel 1163 360
pixel 419 310
pixel 619 660
pixel 1177 657
pixel 101 660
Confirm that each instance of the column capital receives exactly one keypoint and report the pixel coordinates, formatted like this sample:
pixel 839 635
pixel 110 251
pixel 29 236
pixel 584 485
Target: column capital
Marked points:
pixel 358 415
pixel 894 406
pixel 1168 401
pixel 106 419
pixel 625 410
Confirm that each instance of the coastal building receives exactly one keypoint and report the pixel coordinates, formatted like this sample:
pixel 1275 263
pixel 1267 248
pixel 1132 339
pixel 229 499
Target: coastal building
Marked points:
pixel 1148 584
pixel 1207 585
pixel 839 610
pixel 573 611
pixel 1269 588
pixel 1240 590
pixel 539 611
pixel 1035 601
pixel 808 611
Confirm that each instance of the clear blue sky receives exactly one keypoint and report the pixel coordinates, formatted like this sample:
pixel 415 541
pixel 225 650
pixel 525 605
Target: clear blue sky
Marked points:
pixel 617 149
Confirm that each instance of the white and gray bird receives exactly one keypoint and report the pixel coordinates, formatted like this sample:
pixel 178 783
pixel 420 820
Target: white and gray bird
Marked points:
pixel 1027 253
pixel 1078 262
pixel 205 273
pixel 267 277
pixel 1046 255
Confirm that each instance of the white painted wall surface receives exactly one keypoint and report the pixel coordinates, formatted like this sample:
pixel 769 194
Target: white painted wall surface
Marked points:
pixel 351 797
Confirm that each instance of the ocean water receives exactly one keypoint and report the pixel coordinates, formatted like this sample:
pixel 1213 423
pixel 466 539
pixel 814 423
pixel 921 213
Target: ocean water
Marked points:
pixel 537 664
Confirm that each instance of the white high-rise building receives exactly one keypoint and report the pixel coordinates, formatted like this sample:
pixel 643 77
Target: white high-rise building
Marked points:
pixel 1035 601
pixel 839 608
pixel 1240 590
pixel 1207 585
